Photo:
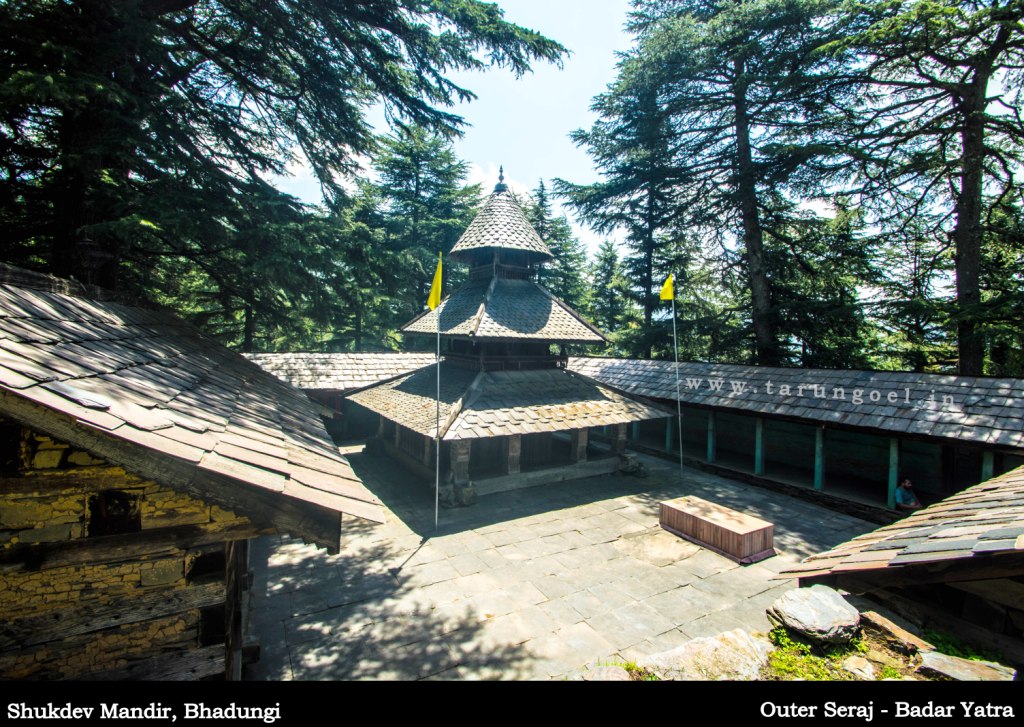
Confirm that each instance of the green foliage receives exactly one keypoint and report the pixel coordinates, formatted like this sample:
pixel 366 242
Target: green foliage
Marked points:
pixel 563 276
pixel 793 659
pixel 946 643
pixel 137 137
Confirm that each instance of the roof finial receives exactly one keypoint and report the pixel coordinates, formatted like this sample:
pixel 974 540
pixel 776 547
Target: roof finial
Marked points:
pixel 501 186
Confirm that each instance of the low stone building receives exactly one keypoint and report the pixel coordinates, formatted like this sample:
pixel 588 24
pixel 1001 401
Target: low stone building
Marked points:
pixel 839 435
pixel 138 458
pixel 956 566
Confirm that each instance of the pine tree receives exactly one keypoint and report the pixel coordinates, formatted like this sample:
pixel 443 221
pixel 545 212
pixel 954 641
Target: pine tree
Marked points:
pixel 563 275
pixel 140 128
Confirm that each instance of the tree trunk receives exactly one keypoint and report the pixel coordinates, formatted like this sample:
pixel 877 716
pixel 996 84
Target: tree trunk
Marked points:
pixel 249 334
pixel 767 347
pixel 968 232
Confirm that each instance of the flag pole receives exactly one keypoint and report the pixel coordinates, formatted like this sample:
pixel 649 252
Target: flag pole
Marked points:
pixel 679 406
pixel 437 429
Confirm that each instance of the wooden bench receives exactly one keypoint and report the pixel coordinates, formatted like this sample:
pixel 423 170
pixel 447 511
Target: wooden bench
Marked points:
pixel 743 538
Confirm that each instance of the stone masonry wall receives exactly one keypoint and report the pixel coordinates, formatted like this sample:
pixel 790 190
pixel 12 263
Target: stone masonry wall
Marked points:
pixel 59 495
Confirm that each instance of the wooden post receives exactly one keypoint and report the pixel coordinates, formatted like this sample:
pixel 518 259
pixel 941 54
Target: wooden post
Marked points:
pixel 460 460
pixel 634 433
pixel 380 426
pixel 669 423
pixel 620 438
pixel 513 450
pixel 988 465
pixel 578 445
pixel 711 436
pixel 894 470
pixel 819 458
pixel 428 450
pixel 236 576
pixel 759 446
pixel 398 435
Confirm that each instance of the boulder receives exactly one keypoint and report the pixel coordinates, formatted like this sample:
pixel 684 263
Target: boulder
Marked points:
pixel 734 655
pixel 944 666
pixel 817 613
pixel 859 667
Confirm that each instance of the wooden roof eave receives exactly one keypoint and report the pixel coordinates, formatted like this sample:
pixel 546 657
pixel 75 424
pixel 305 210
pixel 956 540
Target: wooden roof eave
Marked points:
pixel 306 520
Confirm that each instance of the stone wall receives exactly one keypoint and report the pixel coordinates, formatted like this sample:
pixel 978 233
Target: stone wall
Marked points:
pixel 98 567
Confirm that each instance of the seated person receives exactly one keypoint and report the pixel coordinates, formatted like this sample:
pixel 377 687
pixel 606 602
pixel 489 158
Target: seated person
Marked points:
pixel 906 500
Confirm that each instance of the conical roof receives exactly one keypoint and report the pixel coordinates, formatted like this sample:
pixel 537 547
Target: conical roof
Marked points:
pixel 500 224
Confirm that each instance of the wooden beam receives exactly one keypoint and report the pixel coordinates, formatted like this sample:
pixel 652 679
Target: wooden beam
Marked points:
pixel 969 568
pixel 819 458
pixel 894 471
pixel 175 666
pixel 759 446
pixel 979 636
pixel 711 436
pixel 988 465
pixel 1003 591
pixel 133 608
pixel 130 546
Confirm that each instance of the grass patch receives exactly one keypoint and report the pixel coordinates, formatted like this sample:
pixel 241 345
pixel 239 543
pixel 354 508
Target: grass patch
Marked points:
pixel 950 645
pixel 636 672
pixel 793 659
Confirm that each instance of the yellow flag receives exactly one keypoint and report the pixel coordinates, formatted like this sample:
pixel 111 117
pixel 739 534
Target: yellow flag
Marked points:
pixel 668 290
pixel 435 288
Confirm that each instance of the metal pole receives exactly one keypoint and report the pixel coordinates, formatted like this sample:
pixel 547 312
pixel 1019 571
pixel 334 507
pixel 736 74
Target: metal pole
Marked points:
pixel 437 430
pixel 679 406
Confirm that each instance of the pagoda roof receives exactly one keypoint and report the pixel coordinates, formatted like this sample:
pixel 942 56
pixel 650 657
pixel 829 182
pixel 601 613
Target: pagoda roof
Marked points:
pixel 500 224
pixel 480 404
pixel 503 309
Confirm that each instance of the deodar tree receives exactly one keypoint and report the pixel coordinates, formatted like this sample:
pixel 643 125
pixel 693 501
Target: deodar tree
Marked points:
pixel 138 129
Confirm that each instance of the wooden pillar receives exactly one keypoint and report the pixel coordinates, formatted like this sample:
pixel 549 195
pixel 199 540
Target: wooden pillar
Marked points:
pixel 398 435
pixel 759 446
pixel 236 577
pixel 634 431
pixel 669 423
pixel 578 445
pixel 460 460
pixel 429 447
pixel 819 458
pixel 513 450
pixel 620 438
pixel 894 470
pixel 711 436
pixel 988 465
pixel 380 426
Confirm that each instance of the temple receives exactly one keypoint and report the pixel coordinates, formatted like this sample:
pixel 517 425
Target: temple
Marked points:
pixel 511 414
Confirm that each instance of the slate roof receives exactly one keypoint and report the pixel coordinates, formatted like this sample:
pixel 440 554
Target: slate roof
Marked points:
pixel 338 372
pixel 984 410
pixel 500 223
pixel 497 309
pixel 968 528
pixel 149 392
pixel 477 404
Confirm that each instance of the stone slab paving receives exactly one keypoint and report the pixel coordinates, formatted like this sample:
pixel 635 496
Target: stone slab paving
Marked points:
pixel 531 584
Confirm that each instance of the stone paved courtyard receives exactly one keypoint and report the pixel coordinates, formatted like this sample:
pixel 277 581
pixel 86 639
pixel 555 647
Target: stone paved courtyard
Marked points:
pixel 531 584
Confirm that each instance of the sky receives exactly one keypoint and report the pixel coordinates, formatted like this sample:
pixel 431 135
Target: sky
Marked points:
pixel 525 124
